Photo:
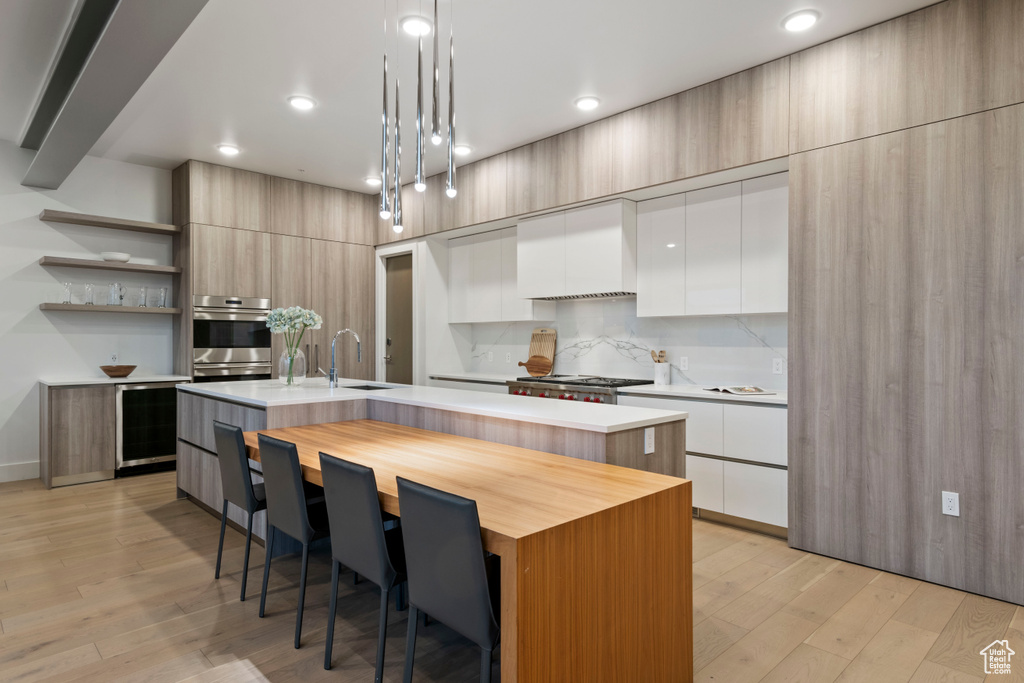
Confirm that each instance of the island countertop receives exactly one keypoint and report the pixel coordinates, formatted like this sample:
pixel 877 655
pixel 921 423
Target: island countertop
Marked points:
pixel 584 416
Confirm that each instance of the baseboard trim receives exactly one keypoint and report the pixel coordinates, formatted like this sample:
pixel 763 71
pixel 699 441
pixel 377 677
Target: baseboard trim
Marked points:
pixel 747 524
pixel 19 471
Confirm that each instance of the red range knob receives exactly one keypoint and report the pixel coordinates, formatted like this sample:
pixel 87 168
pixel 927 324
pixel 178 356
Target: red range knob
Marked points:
pixel 542 395
pixel 561 396
pixel 598 400
pixel 570 397
pixel 586 399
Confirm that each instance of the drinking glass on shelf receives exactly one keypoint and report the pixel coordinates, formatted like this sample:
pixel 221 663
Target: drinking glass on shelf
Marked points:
pixel 90 298
pixel 67 293
pixel 142 297
pixel 161 300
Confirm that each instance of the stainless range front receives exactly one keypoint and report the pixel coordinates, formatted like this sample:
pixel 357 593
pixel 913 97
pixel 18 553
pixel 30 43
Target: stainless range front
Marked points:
pixel 572 388
pixel 230 338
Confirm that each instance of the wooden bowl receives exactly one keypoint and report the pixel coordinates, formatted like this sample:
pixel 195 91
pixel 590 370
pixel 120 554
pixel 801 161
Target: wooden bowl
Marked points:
pixel 114 371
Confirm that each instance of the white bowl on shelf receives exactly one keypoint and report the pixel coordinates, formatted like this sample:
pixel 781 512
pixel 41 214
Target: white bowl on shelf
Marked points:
pixel 119 256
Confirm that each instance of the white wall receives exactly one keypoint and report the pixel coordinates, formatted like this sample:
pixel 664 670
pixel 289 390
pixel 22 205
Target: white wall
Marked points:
pixel 35 344
pixel 605 337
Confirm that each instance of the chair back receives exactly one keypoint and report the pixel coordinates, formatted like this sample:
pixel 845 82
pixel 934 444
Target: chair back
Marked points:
pixel 236 481
pixel 444 558
pixel 282 478
pixel 357 527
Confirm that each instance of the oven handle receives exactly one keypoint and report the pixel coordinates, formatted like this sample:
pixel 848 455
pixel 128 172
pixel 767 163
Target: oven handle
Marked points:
pixel 211 369
pixel 236 315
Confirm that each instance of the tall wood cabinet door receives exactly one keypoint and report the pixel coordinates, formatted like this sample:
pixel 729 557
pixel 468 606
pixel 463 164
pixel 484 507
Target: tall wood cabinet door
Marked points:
pixel 229 262
pixel 460 273
pixel 600 248
pixel 713 248
pixel 343 294
pixel 661 257
pixel 292 286
pixel 485 278
pixel 765 244
pixel 82 431
pixel 227 197
pixel 540 263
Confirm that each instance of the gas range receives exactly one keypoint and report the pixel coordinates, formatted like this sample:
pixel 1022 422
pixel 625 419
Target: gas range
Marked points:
pixel 586 388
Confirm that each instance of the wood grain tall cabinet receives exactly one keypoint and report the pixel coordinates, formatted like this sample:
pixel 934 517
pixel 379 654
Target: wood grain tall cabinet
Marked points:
pixel 298 244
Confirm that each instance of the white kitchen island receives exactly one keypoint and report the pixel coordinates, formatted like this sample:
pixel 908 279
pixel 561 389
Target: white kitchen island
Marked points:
pixel 602 433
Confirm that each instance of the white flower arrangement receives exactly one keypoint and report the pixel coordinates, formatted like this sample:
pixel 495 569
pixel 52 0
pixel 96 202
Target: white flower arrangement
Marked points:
pixel 292 323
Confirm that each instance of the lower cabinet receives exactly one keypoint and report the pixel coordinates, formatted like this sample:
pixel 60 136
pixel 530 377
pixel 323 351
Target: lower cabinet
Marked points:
pixel 755 492
pixel 77 434
pixel 707 475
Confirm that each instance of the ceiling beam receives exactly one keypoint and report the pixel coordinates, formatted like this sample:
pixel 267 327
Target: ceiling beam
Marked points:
pixel 136 38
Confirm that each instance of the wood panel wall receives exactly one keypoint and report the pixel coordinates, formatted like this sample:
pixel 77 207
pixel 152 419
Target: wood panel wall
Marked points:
pixel 951 59
pixel 906 339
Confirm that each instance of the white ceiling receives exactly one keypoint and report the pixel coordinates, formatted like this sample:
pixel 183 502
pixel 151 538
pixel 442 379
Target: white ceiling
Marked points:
pixel 519 66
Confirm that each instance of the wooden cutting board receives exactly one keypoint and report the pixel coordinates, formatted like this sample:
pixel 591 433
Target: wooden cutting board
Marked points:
pixel 542 348
pixel 537 366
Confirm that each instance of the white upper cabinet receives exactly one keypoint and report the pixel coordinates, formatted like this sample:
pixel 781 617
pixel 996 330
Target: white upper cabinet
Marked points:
pixel 713 238
pixel 765 279
pixel 582 252
pixel 514 307
pixel 600 249
pixel 661 257
pixel 731 255
pixel 541 256
pixel 482 281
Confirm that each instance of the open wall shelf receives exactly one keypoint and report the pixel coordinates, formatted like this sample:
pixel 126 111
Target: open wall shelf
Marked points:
pixel 109 309
pixel 107 265
pixel 52 216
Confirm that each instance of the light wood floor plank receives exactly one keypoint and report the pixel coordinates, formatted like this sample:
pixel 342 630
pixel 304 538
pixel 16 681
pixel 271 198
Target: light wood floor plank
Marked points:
pixel 711 637
pixel 754 655
pixel 892 656
pixel 930 607
pixel 930 672
pixel 977 622
pixel 807 664
pixel 847 631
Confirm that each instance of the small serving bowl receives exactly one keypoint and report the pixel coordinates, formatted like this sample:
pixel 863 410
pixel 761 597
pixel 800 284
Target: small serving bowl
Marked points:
pixel 115 256
pixel 114 371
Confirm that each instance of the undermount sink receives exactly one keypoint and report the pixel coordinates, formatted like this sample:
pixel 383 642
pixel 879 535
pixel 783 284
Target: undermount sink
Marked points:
pixel 365 387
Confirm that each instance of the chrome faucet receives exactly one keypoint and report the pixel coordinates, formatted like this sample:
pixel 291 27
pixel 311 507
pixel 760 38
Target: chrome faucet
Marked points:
pixel 332 378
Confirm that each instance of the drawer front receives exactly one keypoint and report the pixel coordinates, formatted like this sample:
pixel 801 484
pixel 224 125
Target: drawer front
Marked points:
pixel 199 477
pixel 197 413
pixel 755 492
pixel 703 426
pixel 756 433
pixel 707 475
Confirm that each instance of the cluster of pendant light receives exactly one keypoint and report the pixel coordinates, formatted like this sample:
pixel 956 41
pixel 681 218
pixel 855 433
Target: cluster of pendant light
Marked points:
pixel 391 202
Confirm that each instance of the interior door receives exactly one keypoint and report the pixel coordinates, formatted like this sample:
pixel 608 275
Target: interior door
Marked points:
pixel 398 345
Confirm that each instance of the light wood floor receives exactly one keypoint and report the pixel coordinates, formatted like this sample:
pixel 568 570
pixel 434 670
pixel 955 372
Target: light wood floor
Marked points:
pixel 114 581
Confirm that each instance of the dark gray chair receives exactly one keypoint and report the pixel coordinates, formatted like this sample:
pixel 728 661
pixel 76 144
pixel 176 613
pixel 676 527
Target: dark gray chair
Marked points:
pixel 293 508
pixel 447 569
pixel 236 483
pixel 359 541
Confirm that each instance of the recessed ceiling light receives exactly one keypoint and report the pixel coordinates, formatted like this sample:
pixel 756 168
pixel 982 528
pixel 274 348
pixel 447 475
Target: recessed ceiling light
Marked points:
pixel 415 26
pixel 462 150
pixel 228 150
pixel 800 21
pixel 373 180
pixel 301 102
pixel 587 103
pixel 671 246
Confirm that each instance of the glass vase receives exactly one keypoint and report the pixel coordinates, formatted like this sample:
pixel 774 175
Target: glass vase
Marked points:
pixel 291 369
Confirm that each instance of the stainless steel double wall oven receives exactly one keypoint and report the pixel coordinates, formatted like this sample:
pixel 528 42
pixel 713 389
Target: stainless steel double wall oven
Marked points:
pixel 230 338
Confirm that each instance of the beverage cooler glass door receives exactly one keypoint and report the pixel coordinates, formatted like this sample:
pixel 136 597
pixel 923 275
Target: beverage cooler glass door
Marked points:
pixel 147 417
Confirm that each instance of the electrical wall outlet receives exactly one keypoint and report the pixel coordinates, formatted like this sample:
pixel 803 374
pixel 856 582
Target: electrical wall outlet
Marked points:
pixel 778 366
pixel 684 363
pixel 951 503
pixel 508 357
pixel 648 440
pixel 113 358
pixel 490 356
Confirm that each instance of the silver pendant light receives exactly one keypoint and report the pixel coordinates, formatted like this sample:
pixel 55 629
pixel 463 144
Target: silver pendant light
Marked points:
pixel 450 188
pixel 397 227
pixel 421 184
pixel 435 124
pixel 385 205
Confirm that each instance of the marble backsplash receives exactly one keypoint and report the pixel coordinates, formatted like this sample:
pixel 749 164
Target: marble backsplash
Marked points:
pixel 605 337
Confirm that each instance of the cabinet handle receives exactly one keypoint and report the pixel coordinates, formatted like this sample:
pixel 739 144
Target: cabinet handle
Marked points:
pixel 308 357
pixel 316 356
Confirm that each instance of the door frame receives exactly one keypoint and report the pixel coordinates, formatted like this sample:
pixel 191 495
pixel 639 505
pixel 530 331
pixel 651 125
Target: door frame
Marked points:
pixel 383 253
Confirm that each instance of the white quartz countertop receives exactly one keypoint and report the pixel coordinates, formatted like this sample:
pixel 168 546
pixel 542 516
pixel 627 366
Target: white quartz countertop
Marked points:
pixel 690 391
pixel 103 379
pixel 585 416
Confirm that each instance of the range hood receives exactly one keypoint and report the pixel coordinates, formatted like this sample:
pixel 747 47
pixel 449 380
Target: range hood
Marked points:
pixel 585 253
